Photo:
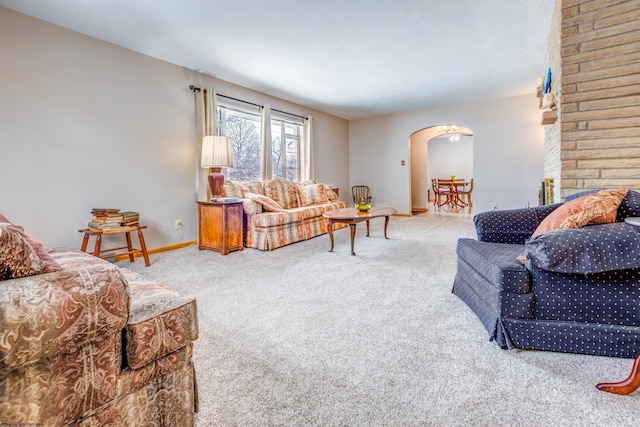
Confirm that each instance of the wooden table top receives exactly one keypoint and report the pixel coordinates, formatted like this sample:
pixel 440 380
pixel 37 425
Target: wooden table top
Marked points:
pixel 355 214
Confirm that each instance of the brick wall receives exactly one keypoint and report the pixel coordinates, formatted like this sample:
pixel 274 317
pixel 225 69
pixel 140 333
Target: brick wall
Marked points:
pixel 552 162
pixel 599 113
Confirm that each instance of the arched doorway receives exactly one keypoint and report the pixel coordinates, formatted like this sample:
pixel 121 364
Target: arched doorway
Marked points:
pixel 438 152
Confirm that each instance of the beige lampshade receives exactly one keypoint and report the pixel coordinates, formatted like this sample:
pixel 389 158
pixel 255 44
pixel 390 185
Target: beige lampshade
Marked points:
pixel 216 152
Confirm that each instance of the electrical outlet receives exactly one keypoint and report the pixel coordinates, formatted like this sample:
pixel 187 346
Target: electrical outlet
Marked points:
pixel 495 206
pixel 178 224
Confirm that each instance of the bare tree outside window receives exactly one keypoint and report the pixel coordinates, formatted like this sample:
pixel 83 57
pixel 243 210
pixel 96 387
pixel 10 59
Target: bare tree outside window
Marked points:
pixel 243 128
pixel 245 141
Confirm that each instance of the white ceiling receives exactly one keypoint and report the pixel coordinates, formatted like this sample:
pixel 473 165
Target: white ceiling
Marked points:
pixel 350 58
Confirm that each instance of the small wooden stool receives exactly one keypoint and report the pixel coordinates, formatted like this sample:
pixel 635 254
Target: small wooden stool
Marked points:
pixel 119 230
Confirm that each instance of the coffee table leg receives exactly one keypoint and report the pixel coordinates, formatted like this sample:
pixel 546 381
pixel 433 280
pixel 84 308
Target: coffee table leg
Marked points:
pixel 367 228
pixel 386 222
pixel 353 236
pixel 330 226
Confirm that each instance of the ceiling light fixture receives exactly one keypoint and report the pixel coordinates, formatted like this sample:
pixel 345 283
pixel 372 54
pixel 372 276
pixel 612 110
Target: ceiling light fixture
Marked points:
pixel 451 130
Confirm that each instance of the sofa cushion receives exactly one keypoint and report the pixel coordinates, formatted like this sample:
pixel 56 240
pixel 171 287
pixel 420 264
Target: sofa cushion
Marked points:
pixel 268 205
pixel 283 192
pixel 497 263
pixel 255 187
pixel 630 206
pixel 161 320
pixel 21 256
pixel 596 208
pixel 233 189
pixel 331 195
pixel 271 219
pixel 585 250
pixel 512 226
pixel 312 194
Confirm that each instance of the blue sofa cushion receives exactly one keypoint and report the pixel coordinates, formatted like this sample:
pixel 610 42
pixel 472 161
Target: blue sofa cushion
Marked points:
pixel 590 249
pixel 630 206
pixel 497 263
pixel 512 226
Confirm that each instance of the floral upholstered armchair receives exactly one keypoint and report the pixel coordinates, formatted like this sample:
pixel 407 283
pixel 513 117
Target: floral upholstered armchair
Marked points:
pixel 83 342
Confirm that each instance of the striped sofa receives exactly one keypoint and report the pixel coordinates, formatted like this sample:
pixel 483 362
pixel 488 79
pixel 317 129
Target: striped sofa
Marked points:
pixel 280 212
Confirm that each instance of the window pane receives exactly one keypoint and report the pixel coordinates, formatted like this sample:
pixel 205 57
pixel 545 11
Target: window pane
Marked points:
pixel 244 131
pixel 285 139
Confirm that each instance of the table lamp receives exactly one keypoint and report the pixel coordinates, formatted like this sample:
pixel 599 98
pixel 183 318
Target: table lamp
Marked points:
pixel 216 154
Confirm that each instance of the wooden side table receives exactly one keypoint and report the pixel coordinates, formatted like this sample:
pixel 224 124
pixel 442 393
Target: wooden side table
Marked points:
pixel 130 250
pixel 220 226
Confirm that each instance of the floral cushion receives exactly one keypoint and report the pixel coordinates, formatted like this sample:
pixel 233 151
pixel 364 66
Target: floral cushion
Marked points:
pixel 21 256
pixel 312 194
pixel 233 189
pixel 330 194
pixel 596 208
pixel 254 187
pixel 268 204
pixel 283 192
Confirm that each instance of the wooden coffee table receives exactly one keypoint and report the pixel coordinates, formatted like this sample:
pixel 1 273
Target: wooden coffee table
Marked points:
pixel 353 216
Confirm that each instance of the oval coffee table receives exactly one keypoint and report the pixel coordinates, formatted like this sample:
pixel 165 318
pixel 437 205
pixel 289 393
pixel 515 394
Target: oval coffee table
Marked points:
pixel 352 216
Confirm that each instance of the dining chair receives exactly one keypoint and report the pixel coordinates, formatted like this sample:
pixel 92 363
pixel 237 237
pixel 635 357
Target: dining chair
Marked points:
pixel 466 192
pixel 360 192
pixel 441 188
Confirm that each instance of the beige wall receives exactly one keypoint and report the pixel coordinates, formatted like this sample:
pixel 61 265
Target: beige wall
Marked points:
pixel 88 124
pixel 508 151
pixel 600 113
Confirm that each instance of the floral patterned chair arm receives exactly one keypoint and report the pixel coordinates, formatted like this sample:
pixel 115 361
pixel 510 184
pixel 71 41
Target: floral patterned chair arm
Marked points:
pixel 57 312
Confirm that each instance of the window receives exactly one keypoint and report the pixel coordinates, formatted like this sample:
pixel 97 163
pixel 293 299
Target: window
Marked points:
pixel 243 128
pixel 285 137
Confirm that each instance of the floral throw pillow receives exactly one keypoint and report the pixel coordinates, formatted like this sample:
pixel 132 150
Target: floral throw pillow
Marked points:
pixel 268 204
pixel 21 256
pixel 312 194
pixel 331 195
pixel 596 208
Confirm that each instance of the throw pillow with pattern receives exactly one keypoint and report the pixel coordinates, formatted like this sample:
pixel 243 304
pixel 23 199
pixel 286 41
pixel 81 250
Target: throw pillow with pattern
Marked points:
pixel 596 208
pixel 312 194
pixel 21 256
pixel 268 204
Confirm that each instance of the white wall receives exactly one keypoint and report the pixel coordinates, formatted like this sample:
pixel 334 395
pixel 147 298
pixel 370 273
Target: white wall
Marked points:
pixel 88 124
pixel 508 147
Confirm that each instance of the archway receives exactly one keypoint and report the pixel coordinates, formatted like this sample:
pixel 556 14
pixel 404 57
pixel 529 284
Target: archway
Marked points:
pixel 437 152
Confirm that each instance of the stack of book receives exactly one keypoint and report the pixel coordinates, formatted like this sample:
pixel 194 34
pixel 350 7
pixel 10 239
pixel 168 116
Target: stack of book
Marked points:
pixel 130 218
pixel 105 218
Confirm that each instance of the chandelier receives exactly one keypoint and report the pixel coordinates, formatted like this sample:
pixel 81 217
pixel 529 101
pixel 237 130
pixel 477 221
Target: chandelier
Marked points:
pixel 451 130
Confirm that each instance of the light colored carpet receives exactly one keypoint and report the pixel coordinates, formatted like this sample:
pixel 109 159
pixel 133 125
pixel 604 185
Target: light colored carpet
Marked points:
pixel 300 336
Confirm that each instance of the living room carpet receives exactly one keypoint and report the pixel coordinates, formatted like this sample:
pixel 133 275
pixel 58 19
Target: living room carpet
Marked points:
pixel 301 336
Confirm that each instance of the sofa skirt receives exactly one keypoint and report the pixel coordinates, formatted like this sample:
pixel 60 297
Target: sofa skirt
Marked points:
pixel 273 237
pixel 551 335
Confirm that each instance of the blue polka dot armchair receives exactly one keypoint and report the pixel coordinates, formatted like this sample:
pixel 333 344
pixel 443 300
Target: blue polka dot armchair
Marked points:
pixel 578 290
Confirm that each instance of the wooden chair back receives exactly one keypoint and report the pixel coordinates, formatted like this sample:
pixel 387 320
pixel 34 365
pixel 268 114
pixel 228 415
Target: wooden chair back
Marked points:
pixel 360 192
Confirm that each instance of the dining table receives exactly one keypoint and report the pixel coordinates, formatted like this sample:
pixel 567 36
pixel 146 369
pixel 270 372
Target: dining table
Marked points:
pixel 451 187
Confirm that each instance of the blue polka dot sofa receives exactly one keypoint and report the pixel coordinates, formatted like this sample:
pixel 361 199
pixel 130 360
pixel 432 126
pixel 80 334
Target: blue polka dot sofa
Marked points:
pixel 569 290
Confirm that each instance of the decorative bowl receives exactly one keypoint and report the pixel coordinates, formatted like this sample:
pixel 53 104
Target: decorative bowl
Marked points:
pixel 363 207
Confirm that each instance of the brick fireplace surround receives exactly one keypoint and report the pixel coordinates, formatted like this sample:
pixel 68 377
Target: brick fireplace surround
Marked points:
pixel 594 54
